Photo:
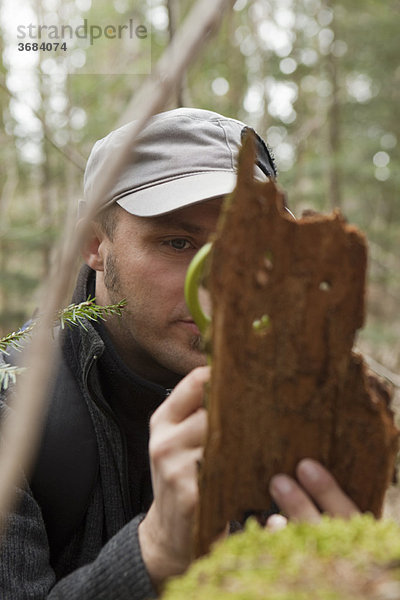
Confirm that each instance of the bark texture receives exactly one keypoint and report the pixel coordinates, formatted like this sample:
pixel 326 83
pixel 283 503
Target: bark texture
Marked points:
pixel 288 297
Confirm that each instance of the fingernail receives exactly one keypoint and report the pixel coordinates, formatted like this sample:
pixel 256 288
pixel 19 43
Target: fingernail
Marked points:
pixel 281 485
pixel 276 522
pixel 310 469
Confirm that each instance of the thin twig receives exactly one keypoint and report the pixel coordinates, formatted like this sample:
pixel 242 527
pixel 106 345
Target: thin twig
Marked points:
pixel 185 45
pixel 75 314
pixel 381 370
pixel 14 339
pixel 72 315
pixel 21 429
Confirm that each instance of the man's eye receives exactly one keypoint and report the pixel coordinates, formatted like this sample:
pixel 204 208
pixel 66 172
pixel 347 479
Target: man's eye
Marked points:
pixel 179 244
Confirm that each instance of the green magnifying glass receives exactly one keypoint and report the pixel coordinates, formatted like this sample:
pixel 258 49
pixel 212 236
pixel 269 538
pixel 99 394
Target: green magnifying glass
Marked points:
pixel 193 281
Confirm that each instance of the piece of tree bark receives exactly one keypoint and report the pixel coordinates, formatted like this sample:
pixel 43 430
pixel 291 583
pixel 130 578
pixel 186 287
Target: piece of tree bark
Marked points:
pixel 288 297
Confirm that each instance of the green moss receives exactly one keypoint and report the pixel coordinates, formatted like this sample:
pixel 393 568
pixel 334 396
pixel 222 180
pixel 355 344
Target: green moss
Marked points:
pixel 334 560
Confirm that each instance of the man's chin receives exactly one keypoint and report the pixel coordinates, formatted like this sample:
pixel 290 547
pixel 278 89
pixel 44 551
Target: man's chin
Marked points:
pixel 195 357
pixel 197 344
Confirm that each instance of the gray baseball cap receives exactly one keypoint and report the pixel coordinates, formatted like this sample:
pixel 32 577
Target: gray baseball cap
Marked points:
pixel 181 157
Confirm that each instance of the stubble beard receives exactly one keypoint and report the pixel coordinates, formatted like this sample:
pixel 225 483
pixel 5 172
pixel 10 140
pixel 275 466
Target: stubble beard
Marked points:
pixel 111 276
pixel 196 344
pixel 112 283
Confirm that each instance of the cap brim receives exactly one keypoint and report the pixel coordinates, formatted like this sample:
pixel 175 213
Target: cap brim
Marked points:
pixel 171 195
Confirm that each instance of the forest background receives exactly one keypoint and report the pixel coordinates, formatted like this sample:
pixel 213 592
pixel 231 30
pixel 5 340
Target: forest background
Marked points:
pixel 318 79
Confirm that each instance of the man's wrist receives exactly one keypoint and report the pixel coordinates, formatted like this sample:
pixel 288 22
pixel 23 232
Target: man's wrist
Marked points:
pixel 158 559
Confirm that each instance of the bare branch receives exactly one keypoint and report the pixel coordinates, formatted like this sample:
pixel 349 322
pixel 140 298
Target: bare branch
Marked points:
pixel 382 371
pixel 14 339
pixel 187 42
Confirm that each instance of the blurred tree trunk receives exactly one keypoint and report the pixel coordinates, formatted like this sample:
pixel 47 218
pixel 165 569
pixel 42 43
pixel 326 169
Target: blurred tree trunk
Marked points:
pixel 335 192
pixel 45 207
pixel 45 218
pixel 8 185
pixel 174 18
pixel 234 63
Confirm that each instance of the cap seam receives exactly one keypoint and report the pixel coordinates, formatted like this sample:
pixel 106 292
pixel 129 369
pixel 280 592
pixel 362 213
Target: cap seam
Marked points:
pixel 215 119
pixel 227 142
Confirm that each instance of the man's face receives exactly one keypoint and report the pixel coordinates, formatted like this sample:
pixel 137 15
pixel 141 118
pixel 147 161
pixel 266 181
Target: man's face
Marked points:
pixel 146 263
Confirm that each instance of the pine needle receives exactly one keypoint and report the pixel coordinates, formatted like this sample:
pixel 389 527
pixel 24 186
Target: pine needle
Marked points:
pixel 72 315
pixel 14 339
pixel 8 375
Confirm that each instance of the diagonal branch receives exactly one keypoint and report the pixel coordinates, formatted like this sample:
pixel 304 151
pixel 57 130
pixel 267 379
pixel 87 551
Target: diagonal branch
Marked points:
pixel 381 370
pixel 184 47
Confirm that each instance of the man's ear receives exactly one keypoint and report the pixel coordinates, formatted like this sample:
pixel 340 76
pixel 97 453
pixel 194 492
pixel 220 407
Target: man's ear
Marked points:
pixel 93 247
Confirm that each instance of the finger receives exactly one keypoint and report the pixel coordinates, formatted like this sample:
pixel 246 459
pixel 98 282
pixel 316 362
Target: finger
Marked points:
pixel 292 500
pixel 324 489
pixel 181 474
pixel 191 432
pixel 185 398
pixel 276 522
pixel 172 442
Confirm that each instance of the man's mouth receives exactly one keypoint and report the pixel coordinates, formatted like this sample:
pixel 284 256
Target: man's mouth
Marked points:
pixel 190 325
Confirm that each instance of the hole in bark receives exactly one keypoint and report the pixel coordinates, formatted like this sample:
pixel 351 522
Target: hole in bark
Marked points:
pixel 325 286
pixel 262 275
pixel 268 258
pixel 261 326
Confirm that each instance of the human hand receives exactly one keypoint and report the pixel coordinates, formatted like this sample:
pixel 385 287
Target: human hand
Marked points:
pixel 177 435
pixel 315 491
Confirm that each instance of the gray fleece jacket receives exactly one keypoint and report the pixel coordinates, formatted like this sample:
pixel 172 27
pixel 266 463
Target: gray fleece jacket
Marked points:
pixel 101 559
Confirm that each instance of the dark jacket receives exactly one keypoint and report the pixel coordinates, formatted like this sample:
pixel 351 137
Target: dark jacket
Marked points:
pixel 99 555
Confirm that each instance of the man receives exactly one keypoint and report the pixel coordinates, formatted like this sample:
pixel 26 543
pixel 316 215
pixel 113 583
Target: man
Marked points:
pixel 95 522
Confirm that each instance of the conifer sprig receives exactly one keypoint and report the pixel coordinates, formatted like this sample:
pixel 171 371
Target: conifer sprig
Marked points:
pixel 13 340
pixel 72 315
pixel 8 374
